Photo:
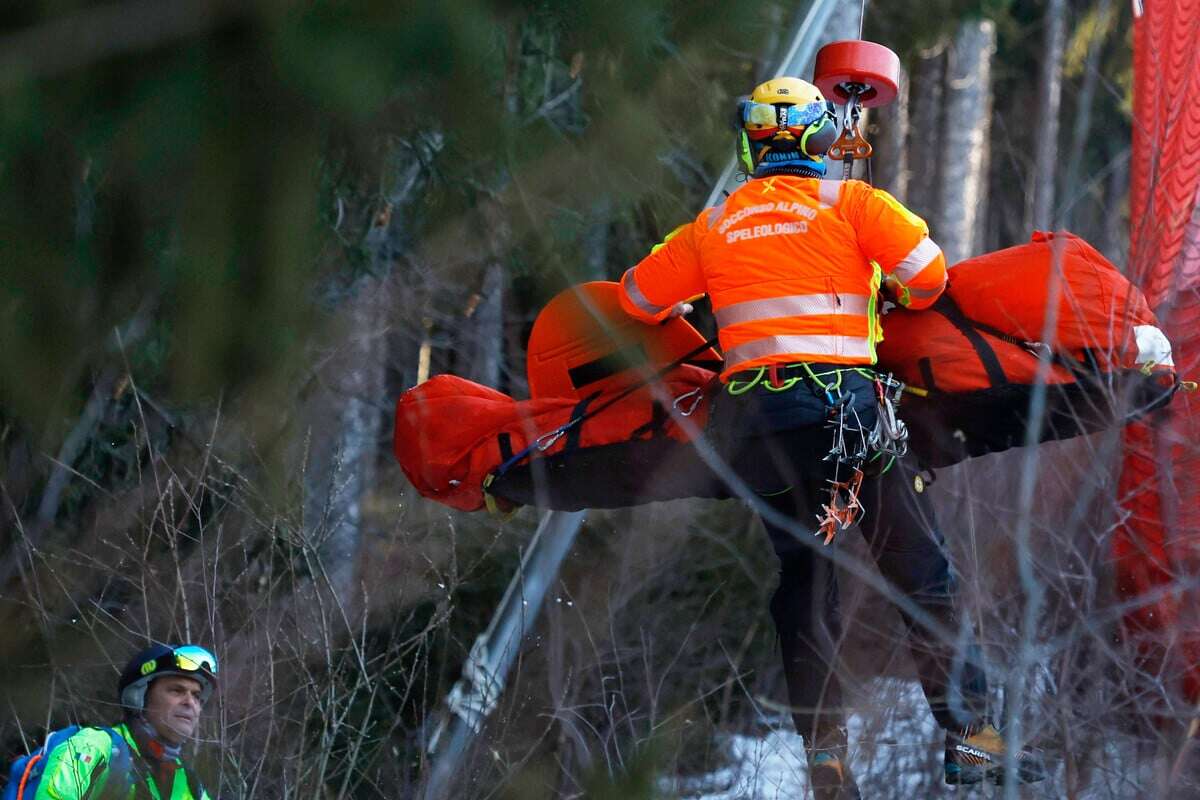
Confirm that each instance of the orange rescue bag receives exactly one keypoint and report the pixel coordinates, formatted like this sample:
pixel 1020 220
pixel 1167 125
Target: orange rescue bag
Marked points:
pixel 1053 311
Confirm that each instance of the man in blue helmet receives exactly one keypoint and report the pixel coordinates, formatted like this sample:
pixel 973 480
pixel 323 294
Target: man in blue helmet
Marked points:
pixel 162 692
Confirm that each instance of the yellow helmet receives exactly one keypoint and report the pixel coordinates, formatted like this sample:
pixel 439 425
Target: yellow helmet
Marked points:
pixel 786 90
pixel 784 126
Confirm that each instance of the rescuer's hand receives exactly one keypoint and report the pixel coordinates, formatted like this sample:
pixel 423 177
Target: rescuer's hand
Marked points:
pixel 680 309
pixel 889 293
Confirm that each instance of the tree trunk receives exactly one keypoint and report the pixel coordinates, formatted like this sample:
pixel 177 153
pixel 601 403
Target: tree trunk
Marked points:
pixel 62 472
pixel 842 24
pixel 1114 243
pixel 984 207
pixel 889 136
pixel 968 104
pixel 342 464
pixel 1046 134
pixel 845 22
pixel 926 94
pixel 344 417
pixel 595 242
pixel 482 346
pixel 517 324
pixel 1083 116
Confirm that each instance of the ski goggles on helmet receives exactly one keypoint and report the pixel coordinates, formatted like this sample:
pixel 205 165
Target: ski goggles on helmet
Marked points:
pixel 192 658
pixel 763 119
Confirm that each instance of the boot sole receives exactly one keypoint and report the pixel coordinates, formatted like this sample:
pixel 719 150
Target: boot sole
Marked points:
pixel 963 775
pixel 970 774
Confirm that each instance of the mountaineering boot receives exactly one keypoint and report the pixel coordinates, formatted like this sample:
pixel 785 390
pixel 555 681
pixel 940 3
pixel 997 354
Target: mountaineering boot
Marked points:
pixel 830 778
pixel 977 752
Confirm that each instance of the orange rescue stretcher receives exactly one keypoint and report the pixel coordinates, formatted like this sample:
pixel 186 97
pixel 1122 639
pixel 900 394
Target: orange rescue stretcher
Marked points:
pixel 616 405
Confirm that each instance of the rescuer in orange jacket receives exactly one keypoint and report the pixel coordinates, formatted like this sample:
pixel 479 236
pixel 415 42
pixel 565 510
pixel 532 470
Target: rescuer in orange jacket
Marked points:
pixel 793 265
pixel 791 262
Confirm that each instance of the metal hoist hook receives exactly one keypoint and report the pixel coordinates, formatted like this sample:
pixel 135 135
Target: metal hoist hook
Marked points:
pixel 851 144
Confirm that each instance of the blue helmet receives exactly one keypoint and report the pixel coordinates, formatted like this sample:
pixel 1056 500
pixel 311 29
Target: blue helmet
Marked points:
pixel 187 660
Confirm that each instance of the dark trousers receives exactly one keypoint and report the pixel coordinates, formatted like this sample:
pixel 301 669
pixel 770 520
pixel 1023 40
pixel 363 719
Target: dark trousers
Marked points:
pixel 776 442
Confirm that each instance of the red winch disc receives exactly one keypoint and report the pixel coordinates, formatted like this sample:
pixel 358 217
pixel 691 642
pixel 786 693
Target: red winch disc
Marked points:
pixel 871 65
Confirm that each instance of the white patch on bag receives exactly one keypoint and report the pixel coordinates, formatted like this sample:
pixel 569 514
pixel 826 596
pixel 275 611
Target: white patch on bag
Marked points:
pixel 1153 346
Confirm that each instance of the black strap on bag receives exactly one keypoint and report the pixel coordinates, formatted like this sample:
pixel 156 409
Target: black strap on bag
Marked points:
pixel 946 306
pixel 1087 370
pixel 580 412
pixel 658 422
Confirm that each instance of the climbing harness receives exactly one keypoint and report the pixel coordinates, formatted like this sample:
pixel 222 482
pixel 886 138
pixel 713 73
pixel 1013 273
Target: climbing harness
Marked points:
pixel 848 454
pixel 885 443
pixel 738 387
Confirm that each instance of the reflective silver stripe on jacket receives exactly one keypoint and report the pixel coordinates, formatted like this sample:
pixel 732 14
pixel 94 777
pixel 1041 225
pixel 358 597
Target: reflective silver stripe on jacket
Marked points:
pixel 795 305
pixel 808 345
pixel 829 193
pixel 923 294
pixel 917 259
pixel 635 294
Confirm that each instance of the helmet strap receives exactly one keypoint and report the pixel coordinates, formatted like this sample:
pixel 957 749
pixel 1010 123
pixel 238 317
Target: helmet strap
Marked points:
pixel 745 153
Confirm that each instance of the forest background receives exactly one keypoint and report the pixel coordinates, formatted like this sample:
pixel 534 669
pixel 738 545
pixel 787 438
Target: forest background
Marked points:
pixel 233 232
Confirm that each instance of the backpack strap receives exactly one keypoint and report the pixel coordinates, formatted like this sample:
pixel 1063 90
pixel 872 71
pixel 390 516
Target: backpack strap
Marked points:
pixel 31 767
pixel 194 784
pixel 120 765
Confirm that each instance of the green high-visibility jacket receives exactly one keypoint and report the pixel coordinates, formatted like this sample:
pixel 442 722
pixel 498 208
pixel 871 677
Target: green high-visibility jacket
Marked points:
pixel 78 770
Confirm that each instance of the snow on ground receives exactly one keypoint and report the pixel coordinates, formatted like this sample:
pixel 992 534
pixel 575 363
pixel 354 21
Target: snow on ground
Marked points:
pixel 895 752
pixel 890 750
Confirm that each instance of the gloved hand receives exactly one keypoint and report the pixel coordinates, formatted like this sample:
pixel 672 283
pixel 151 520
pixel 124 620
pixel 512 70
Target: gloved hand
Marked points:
pixel 680 309
pixel 889 294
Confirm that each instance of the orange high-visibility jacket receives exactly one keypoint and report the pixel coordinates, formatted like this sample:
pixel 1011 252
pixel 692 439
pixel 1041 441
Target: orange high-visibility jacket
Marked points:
pixel 793 267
